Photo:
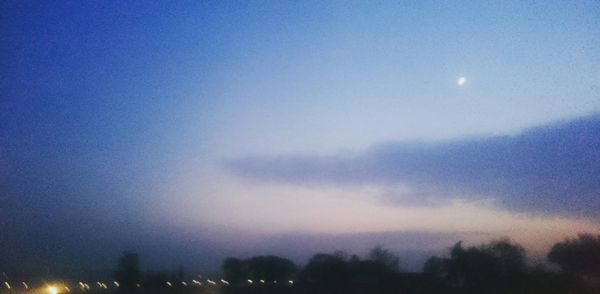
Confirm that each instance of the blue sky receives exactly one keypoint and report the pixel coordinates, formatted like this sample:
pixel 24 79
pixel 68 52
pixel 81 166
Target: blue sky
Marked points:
pixel 119 117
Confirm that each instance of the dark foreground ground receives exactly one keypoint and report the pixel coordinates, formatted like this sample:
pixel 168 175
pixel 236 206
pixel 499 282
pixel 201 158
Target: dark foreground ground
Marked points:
pixel 402 283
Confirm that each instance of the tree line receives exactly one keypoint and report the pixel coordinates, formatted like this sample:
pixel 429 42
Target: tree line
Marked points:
pixel 499 266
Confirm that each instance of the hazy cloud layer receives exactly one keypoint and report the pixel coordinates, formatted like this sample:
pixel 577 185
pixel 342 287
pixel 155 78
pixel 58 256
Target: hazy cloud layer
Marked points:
pixel 549 169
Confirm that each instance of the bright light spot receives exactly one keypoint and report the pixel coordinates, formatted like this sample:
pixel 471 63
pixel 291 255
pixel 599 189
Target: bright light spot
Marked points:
pixel 290 281
pixel 7 285
pixel 25 285
pixel 461 81
pixel 52 290
pixel 116 283
pixel 262 281
pixel 184 283
pixel 250 281
pixel 169 284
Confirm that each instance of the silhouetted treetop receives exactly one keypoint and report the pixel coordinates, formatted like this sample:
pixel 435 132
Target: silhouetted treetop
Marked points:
pixel 233 269
pixel 269 268
pixel 488 267
pixel 385 258
pixel 128 272
pixel 578 255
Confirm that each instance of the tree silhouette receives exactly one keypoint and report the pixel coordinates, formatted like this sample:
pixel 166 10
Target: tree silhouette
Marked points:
pixel 497 267
pixel 579 256
pixel 385 258
pixel 327 273
pixel 325 268
pixel 177 278
pixel 233 270
pixel 436 266
pixel 128 272
pixel 270 268
pixel 341 273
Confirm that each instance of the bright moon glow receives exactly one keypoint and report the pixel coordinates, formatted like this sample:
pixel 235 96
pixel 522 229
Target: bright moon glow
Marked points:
pixel 461 81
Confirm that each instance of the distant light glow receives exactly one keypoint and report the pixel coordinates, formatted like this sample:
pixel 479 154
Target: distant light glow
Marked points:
pixel 461 81
pixel 52 290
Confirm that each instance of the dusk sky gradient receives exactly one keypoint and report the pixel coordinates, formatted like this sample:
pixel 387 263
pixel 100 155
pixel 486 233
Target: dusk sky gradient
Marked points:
pixel 196 130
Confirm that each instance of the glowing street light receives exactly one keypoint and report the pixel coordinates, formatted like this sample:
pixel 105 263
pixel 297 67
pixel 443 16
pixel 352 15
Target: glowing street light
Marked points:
pixel 52 290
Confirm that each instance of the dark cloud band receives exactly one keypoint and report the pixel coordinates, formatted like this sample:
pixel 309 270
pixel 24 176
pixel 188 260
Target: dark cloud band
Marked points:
pixel 548 169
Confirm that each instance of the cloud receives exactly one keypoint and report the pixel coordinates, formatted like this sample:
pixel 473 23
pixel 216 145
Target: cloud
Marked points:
pixel 548 169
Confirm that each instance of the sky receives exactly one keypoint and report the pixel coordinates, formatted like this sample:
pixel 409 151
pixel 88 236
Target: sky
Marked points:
pixel 196 130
